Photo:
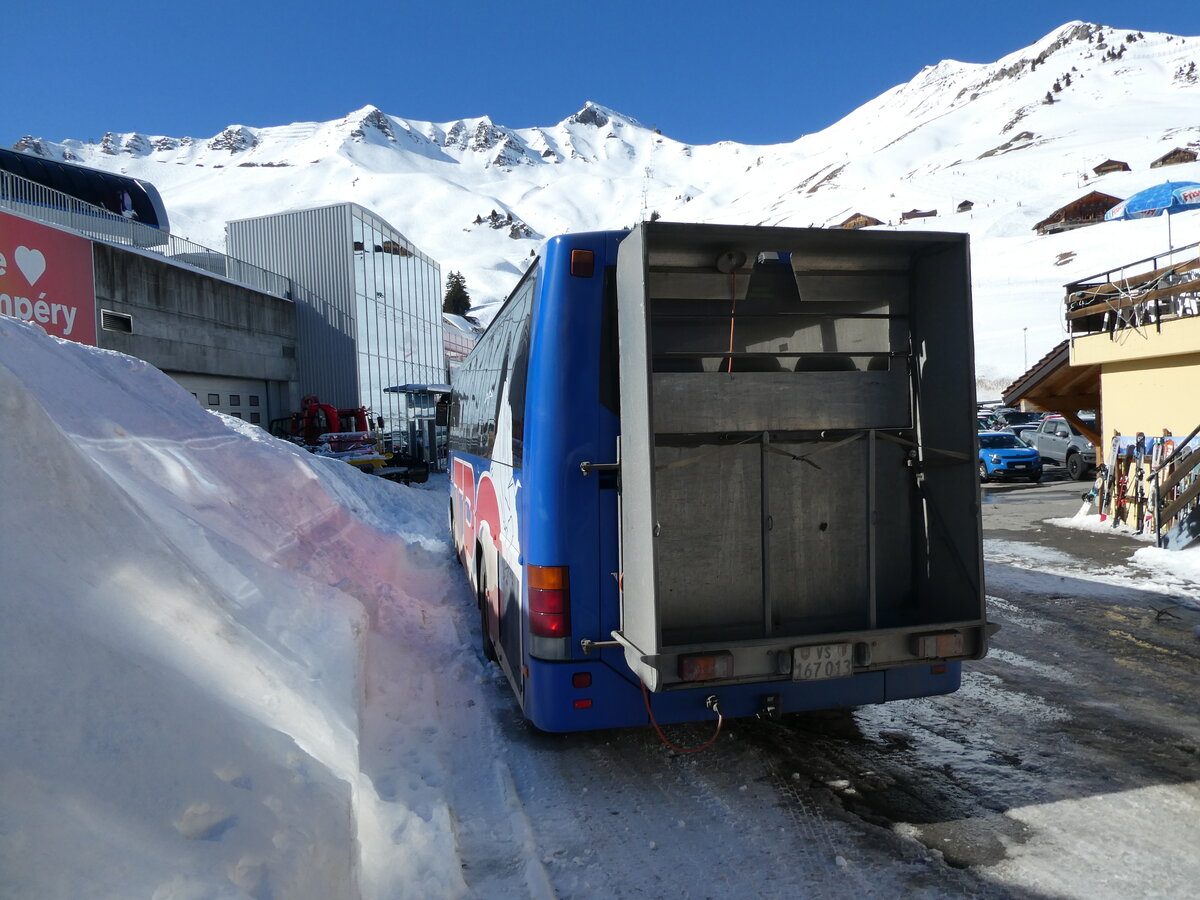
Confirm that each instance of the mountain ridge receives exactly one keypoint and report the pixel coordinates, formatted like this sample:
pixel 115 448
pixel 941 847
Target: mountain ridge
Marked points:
pixel 1013 140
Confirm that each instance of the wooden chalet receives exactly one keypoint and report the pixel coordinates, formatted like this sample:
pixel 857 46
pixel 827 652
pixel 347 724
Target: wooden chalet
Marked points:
pixel 1087 210
pixel 1111 165
pixel 1175 157
pixel 859 220
pixel 917 214
pixel 965 206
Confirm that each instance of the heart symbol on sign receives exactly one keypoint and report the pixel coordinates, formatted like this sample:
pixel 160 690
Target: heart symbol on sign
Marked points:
pixel 31 263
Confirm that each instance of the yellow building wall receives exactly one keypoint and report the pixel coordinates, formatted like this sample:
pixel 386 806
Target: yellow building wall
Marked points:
pixel 1148 380
pixel 1143 397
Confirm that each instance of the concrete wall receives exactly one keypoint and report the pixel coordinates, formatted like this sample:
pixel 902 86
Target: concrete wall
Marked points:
pixel 186 321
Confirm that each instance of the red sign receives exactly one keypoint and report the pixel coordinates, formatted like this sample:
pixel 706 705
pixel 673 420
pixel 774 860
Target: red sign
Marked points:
pixel 46 277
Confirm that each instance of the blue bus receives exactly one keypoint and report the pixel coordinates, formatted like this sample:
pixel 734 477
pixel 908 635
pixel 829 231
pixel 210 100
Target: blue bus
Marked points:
pixel 710 471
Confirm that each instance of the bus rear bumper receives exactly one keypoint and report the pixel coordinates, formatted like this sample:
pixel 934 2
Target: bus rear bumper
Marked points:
pixel 558 699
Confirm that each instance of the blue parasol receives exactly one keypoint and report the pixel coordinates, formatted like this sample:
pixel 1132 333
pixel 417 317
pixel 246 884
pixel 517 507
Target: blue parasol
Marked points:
pixel 1169 197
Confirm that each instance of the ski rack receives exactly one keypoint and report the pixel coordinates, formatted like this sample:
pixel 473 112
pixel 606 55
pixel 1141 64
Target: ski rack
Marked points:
pixel 1177 518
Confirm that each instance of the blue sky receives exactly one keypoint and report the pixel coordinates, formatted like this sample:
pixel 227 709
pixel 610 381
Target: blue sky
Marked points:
pixel 700 70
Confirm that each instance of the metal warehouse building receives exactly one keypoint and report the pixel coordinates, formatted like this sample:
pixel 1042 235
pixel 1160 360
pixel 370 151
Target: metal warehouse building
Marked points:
pixel 379 320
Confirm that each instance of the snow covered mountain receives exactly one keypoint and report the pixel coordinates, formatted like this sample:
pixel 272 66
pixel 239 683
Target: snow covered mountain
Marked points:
pixel 1006 142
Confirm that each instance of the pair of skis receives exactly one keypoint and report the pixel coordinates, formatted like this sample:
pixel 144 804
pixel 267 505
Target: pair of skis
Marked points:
pixel 1119 484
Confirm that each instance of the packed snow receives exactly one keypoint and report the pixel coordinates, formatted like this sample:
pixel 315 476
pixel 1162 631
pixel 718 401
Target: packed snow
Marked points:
pixel 230 668
pixel 191 608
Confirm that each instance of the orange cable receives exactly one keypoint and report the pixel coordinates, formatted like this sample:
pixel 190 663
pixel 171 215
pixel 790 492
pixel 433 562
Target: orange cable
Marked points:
pixel 662 737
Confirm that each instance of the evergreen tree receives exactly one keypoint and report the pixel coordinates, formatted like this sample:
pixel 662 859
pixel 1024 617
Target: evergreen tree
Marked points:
pixel 457 301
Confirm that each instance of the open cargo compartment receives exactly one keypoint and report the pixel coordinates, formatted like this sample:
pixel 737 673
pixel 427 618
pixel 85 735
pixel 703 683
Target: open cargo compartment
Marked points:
pixel 797 453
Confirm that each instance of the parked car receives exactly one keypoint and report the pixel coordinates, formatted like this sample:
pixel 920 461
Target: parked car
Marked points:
pixel 1014 420
pixel 1004 455
pixel 1058 441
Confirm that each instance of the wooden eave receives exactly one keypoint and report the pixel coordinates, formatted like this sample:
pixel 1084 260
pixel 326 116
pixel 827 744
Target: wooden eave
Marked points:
pixel 1052 384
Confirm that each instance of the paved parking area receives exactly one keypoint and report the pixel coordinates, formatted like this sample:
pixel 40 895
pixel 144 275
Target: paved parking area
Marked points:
pixel 1017 511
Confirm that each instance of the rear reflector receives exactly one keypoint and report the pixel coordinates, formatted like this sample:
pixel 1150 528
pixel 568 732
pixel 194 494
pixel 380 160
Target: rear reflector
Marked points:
pixel 582 704
pixel 583 263
pixel 938 645
pixel 706 666
pixel 939 669
pixel 581 679
pixel 549 601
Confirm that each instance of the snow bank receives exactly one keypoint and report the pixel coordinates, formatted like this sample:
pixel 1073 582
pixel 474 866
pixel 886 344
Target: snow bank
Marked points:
pixel 182 668
pixel 1172 571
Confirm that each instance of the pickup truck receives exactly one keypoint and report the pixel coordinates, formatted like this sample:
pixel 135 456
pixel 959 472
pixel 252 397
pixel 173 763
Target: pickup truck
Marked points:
pixel 1058 441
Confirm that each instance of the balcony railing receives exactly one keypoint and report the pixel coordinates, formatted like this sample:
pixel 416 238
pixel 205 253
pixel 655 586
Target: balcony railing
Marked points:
pixel 54 207
pixel 1136 295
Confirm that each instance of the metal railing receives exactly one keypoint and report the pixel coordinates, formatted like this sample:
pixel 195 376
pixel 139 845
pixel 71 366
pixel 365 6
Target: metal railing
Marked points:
pixel 456 344
pixel 1142 293
pixel 1175 494
pixel 44 204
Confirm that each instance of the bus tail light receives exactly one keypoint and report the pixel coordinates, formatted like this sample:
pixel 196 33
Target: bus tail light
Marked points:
pixel 583 263
pixel 549 601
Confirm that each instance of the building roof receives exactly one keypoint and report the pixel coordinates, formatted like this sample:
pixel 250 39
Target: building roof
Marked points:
pixel 1093 200
pixel 1179 154
pixel 862 219
pixel 1054 385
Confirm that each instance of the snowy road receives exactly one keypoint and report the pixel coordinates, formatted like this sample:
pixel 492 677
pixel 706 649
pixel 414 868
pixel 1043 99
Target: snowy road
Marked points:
pixel 1068 765
pixel 237 670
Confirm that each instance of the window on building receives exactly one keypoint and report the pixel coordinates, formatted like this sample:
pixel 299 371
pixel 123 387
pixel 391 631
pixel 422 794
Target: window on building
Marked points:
pixel 235 399
pixel 236 415
pixel 214 399
pixel 254 399
pixel 255 419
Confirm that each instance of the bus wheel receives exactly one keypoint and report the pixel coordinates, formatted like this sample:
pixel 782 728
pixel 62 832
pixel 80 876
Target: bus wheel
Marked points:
pixel 489 652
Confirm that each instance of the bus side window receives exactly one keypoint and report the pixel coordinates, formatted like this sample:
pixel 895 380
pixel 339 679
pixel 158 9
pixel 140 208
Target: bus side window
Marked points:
pixel 519 373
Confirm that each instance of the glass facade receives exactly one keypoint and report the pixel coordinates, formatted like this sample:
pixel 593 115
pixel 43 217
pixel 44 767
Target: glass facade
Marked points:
pixel 398 312
pixel 369 313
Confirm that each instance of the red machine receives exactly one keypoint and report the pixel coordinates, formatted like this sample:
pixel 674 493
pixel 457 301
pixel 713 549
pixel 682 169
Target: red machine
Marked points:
pixel 350 435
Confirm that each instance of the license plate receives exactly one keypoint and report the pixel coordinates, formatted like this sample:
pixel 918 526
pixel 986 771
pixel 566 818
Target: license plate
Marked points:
pixel 822 661
pixel 1019 465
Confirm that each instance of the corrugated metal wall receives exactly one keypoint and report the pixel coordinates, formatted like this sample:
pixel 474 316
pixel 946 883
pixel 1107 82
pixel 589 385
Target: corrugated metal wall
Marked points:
pixel 369 304
pixel 313 248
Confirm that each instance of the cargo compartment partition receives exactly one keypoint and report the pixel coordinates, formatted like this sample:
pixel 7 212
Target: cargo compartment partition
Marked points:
pixel 786 468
